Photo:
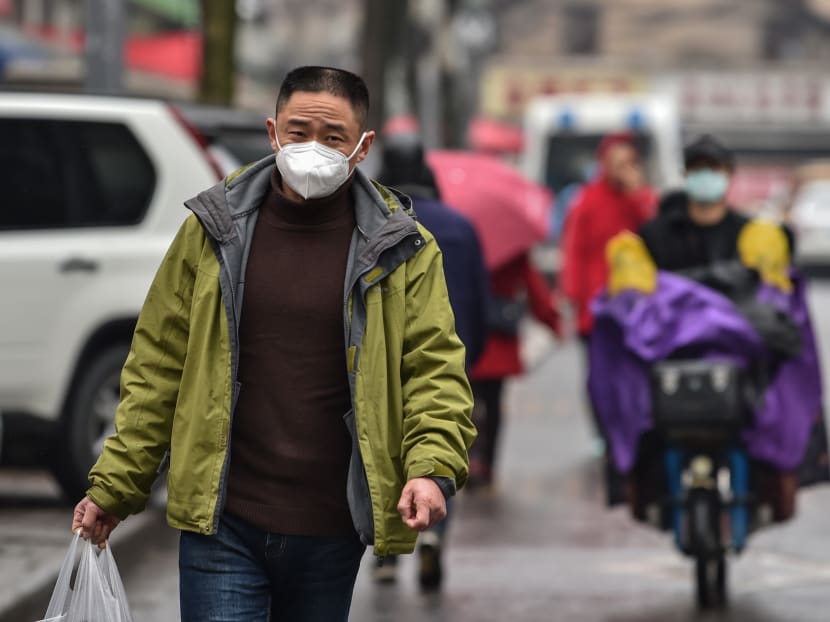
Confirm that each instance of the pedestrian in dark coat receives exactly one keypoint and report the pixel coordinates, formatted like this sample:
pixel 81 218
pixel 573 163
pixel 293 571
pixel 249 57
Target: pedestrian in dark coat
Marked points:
pixel 517 287
pixel 406 172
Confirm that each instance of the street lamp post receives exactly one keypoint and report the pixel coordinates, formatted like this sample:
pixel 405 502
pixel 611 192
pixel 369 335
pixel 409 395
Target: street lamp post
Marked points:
pixel 430 15
pixel 474 32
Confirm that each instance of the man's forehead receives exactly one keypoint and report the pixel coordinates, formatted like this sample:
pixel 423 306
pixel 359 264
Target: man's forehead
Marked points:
pixel 323 105
pixel 303 121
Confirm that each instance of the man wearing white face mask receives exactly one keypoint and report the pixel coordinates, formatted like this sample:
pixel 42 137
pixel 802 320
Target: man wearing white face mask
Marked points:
pixel 311 169
pixel 296 362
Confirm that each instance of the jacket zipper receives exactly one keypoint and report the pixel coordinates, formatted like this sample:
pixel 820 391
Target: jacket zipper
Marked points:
pixel 235 388
pixel 350 297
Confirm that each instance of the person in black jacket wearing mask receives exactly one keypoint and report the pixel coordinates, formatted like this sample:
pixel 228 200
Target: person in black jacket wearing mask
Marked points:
pixel 696 227
pixel 696 233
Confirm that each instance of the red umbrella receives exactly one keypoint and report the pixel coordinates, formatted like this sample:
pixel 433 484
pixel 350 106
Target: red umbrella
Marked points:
pixel 510 212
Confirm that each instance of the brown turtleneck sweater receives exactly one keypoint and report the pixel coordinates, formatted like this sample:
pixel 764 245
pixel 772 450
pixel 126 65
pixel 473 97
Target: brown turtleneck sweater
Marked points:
pixel 290 448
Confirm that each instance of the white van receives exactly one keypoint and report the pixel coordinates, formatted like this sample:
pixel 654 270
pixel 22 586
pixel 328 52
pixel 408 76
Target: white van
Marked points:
pixel 562 134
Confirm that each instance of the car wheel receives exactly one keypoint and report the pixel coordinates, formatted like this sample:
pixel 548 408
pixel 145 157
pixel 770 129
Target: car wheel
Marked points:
pixel 88 420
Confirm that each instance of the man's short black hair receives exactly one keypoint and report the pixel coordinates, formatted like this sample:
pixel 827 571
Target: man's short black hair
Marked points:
pixel 707 150
pixel 331 80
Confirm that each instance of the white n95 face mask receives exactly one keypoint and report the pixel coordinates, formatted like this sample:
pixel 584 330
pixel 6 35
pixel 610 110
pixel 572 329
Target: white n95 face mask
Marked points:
pixel 313 170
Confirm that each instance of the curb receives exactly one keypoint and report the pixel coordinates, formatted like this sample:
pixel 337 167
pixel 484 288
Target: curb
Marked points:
pixel 128 540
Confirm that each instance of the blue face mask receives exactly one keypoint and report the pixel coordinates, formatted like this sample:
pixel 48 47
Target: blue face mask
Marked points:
pixel 707 186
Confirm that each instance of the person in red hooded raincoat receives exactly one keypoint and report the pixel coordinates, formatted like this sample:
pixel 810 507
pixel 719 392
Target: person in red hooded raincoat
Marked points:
pixel 617 200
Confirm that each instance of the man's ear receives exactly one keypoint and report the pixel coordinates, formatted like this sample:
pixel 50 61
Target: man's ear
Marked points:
pixel 365 146
pixel 271 127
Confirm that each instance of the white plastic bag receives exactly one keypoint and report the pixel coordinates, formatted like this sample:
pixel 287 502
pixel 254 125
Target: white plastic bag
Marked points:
pixel 109 570
pixel 62 594
pixel 92 600
pixel 98 593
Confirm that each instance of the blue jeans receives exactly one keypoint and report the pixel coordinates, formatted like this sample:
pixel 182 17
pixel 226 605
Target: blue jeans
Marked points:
pixel 245 574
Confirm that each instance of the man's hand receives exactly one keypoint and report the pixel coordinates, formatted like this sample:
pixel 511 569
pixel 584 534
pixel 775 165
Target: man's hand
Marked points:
pixel 422 503
pixel 94 523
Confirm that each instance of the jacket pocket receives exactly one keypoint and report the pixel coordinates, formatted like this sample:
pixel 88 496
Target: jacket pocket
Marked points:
pixel 357 488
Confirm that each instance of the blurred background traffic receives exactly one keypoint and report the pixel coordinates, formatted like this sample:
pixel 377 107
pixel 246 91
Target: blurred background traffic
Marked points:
pixel 473 72
pixel 113 112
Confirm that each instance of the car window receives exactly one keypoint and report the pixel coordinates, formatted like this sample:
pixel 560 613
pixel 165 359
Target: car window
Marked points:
pixel 31 175
pixel 58 174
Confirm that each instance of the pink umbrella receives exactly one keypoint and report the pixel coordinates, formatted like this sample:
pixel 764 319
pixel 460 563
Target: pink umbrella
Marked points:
pixel 510 212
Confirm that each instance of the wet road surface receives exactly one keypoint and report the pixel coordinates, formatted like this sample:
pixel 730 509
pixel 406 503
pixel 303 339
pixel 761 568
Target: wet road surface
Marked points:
pixel 543 547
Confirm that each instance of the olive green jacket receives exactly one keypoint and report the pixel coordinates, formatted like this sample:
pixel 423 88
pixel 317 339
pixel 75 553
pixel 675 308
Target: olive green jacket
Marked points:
pixel 411 401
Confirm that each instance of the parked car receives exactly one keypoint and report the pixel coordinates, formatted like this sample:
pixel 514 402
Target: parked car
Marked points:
pixel 93 189
pixel 810 217
pixel 234 137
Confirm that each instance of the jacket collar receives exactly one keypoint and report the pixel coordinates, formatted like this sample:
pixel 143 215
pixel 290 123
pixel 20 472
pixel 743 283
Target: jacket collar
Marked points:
pixel 377 210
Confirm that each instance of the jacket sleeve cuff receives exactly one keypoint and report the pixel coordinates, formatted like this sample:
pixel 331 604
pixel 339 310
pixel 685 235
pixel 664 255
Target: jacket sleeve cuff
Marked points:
pixel 446 484
pixel 108 503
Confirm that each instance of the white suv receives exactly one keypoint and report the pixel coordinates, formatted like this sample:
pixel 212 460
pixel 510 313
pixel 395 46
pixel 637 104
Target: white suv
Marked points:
pixel 91 190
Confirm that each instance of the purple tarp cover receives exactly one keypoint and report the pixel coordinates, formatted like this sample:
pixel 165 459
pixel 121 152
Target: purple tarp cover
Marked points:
pixel 633 330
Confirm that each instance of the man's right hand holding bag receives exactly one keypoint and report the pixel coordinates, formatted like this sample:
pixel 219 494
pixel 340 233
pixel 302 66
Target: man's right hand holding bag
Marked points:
pixel 95 524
